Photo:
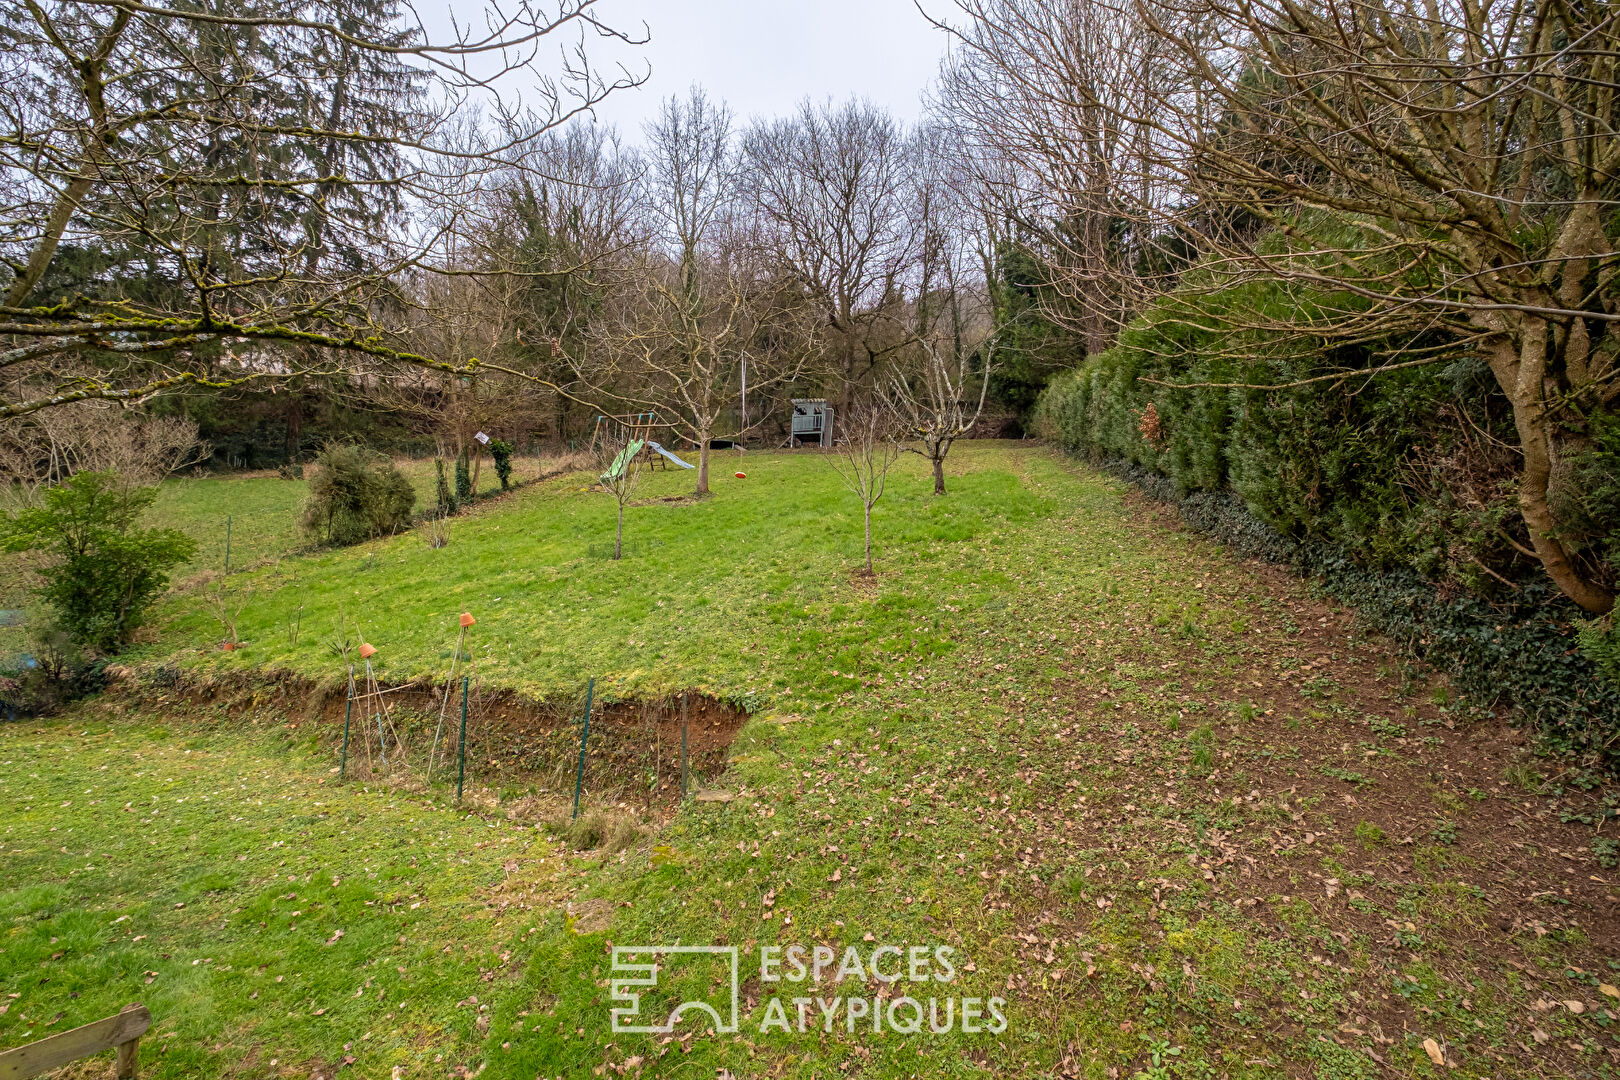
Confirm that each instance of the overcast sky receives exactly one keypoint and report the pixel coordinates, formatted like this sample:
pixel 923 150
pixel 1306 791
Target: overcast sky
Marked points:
pixel 764 56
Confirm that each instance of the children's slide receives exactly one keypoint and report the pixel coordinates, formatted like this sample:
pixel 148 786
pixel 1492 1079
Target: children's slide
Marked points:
pixel 628 454
pixel 672 457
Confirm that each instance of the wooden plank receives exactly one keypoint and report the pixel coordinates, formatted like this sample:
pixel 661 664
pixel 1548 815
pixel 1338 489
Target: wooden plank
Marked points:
pixel 45 1055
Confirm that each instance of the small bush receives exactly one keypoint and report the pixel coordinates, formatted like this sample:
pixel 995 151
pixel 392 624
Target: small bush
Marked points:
pixel 356 495
pixel 105 571
pixel 464 491
pixel 60 672
pixel 445 497
pixel 501 451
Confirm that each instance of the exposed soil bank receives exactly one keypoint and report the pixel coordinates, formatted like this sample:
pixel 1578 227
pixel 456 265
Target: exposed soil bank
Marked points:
pixel 633 751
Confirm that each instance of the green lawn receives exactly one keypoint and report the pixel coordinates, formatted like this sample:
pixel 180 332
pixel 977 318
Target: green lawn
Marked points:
pixel 749 595
pixel 1182 819
pixel 265 917
pixel 263 510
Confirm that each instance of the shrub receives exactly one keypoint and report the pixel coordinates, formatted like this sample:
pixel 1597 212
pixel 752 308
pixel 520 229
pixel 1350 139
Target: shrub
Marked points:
pixel 445 497
pixel 105 571
pixel 58 672
pixel 501 451
pixel 356 495
pixel 464 491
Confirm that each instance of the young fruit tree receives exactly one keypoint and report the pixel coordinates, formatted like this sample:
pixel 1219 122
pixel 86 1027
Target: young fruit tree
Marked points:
pixel 869 449
pixel 938 384
pixel 619 451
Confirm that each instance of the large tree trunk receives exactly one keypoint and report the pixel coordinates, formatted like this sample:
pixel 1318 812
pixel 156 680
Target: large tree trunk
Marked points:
pixel 90 73
pixel 705 435
pixel 936 455
pixel 40 258
pixel 1521 373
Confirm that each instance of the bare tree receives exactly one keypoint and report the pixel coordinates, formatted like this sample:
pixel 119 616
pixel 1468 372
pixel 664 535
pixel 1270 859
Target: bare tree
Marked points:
pixel 700 311
pixel 619 453
pixel 937 402
pixel 50 446
pixel 868 449
pixel 1046 98
pixel 832 185
pixel 938 383
pixel 554 242
pixel 250 173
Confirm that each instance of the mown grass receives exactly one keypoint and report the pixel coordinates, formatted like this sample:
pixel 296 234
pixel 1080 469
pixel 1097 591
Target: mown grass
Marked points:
pixel 750 595
pixel 270 920
pixel 1036 738
pixel 264 509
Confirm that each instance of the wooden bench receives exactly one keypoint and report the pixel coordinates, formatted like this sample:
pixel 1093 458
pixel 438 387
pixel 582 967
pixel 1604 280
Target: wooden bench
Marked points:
pixel 122 1032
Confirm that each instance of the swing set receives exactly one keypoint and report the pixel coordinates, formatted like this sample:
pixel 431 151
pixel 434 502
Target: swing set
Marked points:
pixel 633 431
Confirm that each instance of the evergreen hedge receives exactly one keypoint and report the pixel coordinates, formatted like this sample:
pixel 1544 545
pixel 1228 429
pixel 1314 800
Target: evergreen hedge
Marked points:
pixel 1395 492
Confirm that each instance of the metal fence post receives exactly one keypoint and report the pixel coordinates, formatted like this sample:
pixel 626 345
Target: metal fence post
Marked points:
pixel 585 733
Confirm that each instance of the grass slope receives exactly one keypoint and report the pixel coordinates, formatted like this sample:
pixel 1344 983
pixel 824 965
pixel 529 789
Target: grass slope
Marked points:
pixel 748 594
pixel 1182 818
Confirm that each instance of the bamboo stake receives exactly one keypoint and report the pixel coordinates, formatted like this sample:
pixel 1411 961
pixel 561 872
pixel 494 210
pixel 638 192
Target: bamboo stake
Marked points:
pixel 461 767
pixel 348 710
pixel 373 698
pixel 366 651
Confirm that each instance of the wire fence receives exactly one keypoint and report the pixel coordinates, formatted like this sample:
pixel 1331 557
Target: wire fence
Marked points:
pixel 638 753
